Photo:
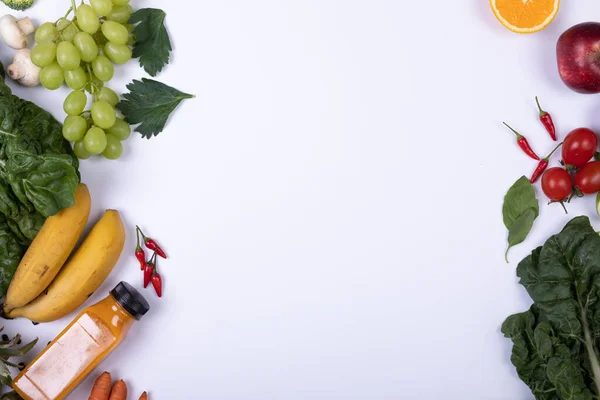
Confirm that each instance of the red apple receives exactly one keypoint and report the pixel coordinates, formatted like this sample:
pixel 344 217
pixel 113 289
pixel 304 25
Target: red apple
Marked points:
pixel 578 56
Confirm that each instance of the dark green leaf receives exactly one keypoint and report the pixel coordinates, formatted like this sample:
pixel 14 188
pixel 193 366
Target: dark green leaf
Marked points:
pixel 30 223
pixel 152 44
pixel 555 347
pixel 11 253
pixel 51 186
pixel 8 203
pixel 520 229
pixel 9 116
pixel 19 236
pixel 149 103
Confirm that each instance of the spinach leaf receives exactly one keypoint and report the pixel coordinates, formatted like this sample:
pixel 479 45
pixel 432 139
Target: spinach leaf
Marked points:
pixel 150 103
pixel 30 223
pixel 11 253
pixel 519 211
pixel 51 186
pixel 19 236
pixel 555 343
pixel 152 44
pixel 8 203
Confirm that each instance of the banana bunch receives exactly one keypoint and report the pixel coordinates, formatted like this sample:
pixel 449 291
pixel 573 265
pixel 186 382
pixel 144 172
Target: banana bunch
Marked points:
pixel 48 284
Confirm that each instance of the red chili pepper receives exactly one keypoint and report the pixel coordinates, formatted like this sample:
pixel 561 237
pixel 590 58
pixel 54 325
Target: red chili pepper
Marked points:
pixel 546 121
pixel 542 165
pixel 523 143
pixel 139 253
pixel 149 269
pixel 151 244
pixel 141 256
pixel 157 283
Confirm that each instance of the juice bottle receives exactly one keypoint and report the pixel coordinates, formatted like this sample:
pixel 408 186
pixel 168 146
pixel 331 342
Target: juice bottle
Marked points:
pixel 81 346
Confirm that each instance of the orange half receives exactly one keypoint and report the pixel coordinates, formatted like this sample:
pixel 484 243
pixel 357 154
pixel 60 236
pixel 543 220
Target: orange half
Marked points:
pixel 525 16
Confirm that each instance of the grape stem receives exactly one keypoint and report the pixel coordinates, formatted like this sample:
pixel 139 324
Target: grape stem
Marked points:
pixel 65 17
pixel 92 84
pixel 74 6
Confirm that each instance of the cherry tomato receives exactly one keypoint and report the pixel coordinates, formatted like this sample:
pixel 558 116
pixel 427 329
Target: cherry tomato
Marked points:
pixel 556 184
pixel 587 179
pixel 579 147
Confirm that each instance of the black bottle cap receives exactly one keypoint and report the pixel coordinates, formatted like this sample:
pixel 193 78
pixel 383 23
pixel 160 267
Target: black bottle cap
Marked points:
pixel 130 299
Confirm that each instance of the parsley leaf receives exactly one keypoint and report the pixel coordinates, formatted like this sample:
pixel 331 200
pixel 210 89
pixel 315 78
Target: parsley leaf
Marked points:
pixel 152 45
pixel 149 103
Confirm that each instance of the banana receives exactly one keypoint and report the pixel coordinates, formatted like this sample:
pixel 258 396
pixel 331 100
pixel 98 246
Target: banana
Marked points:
pixel 83 273
pixel 49 251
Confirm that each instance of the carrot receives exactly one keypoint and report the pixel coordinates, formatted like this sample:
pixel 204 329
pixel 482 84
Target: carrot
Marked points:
pixel 144 396
pixel 119 391
pixel 101 388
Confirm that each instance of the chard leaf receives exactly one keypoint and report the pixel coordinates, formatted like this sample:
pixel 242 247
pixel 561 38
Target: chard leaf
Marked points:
pixel 555 343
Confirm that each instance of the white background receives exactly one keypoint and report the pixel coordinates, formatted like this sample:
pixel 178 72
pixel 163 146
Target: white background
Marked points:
pixel 331 199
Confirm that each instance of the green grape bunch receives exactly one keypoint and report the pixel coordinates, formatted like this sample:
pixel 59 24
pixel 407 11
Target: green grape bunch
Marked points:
pixel 82 52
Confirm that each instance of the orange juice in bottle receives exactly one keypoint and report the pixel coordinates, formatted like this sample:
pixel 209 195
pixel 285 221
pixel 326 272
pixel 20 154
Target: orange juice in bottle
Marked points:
pixel 81 346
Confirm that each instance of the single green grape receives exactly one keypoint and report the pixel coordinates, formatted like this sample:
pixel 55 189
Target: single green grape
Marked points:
pixel 94 141
pixel 102 7
pixel 120 2
pixel 44 53
pixel 46 31
pixel 74 128
pixel 75 103
pixel 121 129
pixel 52 76
pixel 62 24
pixel 118 53
pixel 103 68
pixel 67 56
pixel 76 79
pixel 80 151
pixel 69 32
pixel 86 45
pixel 108 95
pixel 87 19
pixel 115 32
pixel 103 114
pixel 114 148
pixel 120 13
